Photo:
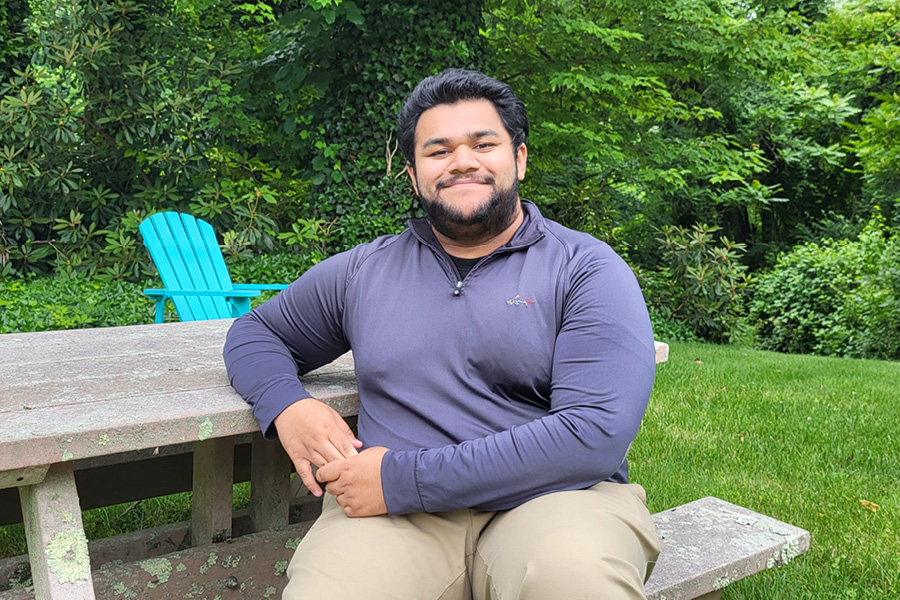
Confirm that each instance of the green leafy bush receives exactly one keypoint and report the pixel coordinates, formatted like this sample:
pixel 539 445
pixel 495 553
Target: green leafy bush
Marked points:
pixel 274 122
pixel 874 308
pixel 70 302
pixel 699 286
pixel 283 267
pixel 668 328
pixel 838 298
pixel 124 110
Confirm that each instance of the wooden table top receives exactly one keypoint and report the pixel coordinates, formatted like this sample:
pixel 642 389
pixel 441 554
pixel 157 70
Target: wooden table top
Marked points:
pixel 80 393
pixel 66 395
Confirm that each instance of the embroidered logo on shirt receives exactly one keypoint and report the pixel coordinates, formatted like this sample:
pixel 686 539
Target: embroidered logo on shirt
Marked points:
pixel 519 301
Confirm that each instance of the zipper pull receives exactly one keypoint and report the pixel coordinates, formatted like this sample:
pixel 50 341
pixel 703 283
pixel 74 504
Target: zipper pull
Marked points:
pixel 458 288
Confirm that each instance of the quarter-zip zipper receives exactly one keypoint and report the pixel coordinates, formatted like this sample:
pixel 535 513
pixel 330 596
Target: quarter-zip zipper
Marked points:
pixel 453 271
pixel 442 256
pixel 457 291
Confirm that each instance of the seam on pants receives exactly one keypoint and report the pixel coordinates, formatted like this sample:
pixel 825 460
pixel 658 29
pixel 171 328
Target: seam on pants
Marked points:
pixel 473 544
pixel 451 584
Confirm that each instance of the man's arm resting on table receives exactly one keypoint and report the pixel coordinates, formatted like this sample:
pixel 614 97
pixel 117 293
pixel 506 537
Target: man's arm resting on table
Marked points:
pixel 265 350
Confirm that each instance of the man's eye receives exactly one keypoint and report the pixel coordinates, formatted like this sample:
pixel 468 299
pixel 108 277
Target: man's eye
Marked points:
pixel 484 145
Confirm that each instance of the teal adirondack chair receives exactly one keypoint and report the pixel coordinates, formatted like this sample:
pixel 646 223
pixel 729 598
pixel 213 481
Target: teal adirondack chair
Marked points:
pixel 190 263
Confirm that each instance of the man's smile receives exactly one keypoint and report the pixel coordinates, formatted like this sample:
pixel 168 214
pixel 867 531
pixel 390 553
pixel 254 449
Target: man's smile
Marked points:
pixel 457 181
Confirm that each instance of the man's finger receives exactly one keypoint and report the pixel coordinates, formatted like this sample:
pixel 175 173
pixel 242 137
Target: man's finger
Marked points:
pixel 349 447
pixel 304 470
pixel 325 452
pixel 317 459
pixel 327 473
pixel 357 444
pixel 339 445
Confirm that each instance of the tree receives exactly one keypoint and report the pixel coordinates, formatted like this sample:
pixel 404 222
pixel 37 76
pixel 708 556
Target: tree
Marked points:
pixel 124 110
pixel 651 113
pixel 634 97
pixel 864 44
pixel 330 85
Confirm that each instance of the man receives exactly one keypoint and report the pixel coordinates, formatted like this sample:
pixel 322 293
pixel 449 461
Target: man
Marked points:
pixel 504 364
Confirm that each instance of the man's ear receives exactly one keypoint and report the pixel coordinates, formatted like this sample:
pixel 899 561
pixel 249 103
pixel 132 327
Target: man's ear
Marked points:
pixel 411 169
pixel 521 160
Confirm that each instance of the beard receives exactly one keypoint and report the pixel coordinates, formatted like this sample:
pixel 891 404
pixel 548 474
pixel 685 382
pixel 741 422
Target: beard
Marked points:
pixel 491 218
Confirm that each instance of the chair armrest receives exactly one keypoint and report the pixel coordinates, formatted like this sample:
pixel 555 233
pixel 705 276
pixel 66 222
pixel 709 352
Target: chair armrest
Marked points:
pixel 157 294
pixel 207 293
pixel 260 286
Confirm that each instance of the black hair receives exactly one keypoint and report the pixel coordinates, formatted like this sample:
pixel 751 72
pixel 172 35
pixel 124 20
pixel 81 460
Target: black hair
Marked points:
pixel 452 86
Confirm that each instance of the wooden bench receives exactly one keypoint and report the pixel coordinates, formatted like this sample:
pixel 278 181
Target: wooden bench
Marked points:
pixel 75 402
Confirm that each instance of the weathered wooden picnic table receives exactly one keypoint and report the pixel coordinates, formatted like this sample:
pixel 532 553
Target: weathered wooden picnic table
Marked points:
pixel 82 400
pixel 70 396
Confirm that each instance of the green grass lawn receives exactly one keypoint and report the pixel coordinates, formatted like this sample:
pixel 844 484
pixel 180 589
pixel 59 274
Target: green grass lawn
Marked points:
pixel 809 440
pixel 812 441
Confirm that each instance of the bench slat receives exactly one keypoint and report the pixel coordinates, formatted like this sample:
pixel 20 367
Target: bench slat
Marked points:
pixel 710 543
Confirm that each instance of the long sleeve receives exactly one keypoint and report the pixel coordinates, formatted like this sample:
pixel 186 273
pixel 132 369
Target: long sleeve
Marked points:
pixel 292 334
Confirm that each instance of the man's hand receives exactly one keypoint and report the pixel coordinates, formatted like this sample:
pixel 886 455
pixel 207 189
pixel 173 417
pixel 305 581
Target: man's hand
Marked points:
pixel 356 483
pixel 313 433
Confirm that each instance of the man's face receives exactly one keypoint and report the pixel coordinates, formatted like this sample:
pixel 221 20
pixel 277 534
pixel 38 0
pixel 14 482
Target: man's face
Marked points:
pixel 466 171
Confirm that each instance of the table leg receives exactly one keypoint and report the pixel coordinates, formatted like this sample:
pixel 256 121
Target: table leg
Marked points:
pixel 57 546
pixel 270 485
pixel 213 491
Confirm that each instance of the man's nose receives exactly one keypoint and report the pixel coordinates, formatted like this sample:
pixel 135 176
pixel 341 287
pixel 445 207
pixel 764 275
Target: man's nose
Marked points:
pixel 464 160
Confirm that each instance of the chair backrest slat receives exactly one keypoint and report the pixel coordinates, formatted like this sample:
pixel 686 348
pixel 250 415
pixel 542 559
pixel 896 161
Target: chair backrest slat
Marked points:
pixel 214 263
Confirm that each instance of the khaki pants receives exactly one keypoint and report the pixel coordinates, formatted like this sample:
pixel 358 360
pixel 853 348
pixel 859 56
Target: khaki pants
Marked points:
pixel 598 543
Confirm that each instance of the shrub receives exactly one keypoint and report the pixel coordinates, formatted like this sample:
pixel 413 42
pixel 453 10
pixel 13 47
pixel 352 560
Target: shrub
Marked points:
pixel 70 302
pixel 873 309
pixel 667 328
pixel 283 267
pixel 838 298
pixel 699 287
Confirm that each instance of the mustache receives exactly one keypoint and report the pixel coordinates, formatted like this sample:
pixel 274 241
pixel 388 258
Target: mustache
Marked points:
pixel 467 178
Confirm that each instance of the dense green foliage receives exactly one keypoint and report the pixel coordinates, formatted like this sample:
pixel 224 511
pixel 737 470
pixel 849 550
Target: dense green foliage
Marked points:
pixel 699 286
pixel 771 122
pixel 67 303
pixel 219 109
pixel 333 83
pixel 741 116
pixel 124 110
pixel 838 298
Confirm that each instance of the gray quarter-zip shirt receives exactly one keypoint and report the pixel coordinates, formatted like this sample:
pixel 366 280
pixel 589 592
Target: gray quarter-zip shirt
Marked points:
pixel 529 376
